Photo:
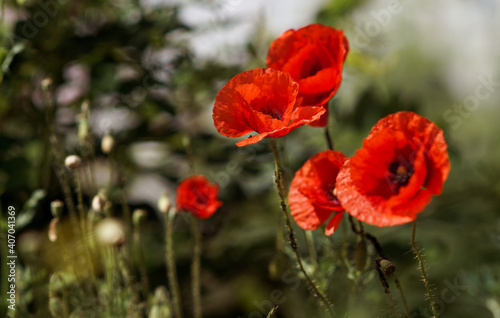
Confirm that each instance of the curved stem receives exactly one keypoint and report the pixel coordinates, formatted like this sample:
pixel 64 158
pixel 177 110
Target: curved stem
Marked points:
pixel 422 268
pixel 293 242
pixel 380 252
pixel 171 270
pixel 195 268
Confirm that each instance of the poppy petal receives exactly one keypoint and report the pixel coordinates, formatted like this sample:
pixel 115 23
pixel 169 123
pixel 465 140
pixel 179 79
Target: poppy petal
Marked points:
pixel 334 223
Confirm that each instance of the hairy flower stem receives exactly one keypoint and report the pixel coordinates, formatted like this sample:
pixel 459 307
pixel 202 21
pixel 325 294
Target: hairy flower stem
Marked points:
pixel 170 258
pixel 293 242
pixel 195 268
pixel 415 249
pixel 381 253
pixel 83 228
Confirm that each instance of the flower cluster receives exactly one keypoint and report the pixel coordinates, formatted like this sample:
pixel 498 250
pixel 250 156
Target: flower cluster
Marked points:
pixel 304 70
pixel 402 162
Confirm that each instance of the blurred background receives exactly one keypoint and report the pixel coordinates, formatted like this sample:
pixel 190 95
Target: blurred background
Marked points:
pixel 147 72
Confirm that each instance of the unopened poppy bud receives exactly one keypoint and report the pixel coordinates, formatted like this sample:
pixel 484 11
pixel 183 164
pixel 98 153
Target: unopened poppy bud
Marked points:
pixel 387 267
pixel 160 307
pixel 139 217
pixel 164 203
pixel 107 144
pixel 56 208
pixel 46 83
pixel 110 232
pixel 53 230
pixel 360 255
pixel 72 162
pixel 99 201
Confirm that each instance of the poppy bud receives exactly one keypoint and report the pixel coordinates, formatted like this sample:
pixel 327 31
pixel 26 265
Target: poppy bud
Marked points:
pixel 53 230
pixel 360 255
pixel 387 267
pixel 99 201
pixel 160 308
pixel 56 208
pixel 72 162
pixel 139 217
pixel 110 232
pixel 164 203
pixel 46 84
pixel 107 144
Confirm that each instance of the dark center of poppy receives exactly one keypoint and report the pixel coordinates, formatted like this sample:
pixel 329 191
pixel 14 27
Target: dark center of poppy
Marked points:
pixel 399 175
pixel 331 194
pixel 201 199
pixel 310 68
pixel 272 111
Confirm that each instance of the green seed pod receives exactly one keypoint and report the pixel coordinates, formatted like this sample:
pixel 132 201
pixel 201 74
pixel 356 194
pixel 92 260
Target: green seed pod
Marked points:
pixel 360 255
pixel 56 208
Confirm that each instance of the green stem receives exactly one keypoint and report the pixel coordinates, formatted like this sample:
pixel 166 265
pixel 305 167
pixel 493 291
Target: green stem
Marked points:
pixel 293 242
pixel 195 268
pixel 170 258
pixel 329 139
pixel 403 298
pixel 142 264
pixel 422 269
pixel 311 249
pixel 83 228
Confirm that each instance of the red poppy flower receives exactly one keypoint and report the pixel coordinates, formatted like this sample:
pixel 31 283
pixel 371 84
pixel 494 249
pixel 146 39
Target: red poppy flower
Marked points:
pixel 402 163
pixel 261 100
pixel 312 192
pixel 197 196
pixel 314 56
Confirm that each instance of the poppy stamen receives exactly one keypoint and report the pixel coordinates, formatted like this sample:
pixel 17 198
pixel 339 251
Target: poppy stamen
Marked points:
pixel 399 175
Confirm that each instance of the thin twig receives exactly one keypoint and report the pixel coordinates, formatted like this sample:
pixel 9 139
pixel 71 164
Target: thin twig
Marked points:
pixel 195 268
pixel 171 270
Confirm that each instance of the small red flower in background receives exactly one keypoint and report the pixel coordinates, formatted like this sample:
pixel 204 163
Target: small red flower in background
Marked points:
pixel 402 163
pixel 197 196
pixel 261 100
pixel 311 198
pixel 314 56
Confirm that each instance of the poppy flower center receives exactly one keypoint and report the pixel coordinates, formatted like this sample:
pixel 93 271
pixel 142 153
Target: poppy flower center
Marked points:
pixel 399 175
pixel 331 194
pixel 310 68
pixel 201 199
pixel 271 111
